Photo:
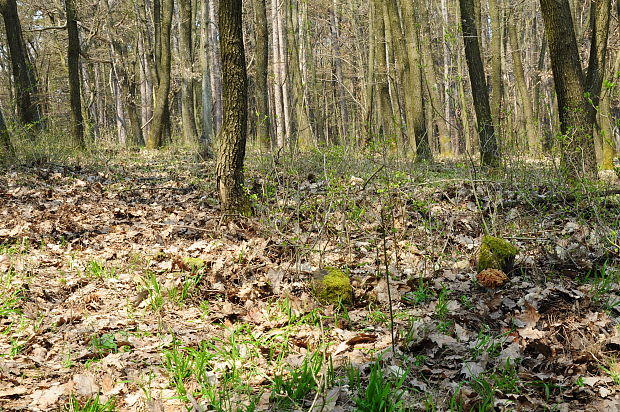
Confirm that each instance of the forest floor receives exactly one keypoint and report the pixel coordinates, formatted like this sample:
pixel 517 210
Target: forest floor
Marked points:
pixel 123 288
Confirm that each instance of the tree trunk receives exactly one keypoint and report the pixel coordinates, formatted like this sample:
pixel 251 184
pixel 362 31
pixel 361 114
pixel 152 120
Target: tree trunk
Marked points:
pixel 6 148
pixel 489 155
pixel 263 126
pixel 215 67
pixel 422 133
pixel 431 81
pixel 162 50
pixel 232 139
pixel 578 156
pixel 600 11
pixel 73 59
pixel 386 118
pixel 606 133
pixel 305 137
pixel 206 97
pixel 186 50
pixel 525 101
pixel 338 77
pixel 26 88
pixel 496 64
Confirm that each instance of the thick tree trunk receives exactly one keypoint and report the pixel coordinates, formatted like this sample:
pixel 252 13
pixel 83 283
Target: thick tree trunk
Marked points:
pixel 160 112
pixel 578 155
pixel 489 155
pixel 186 50
pixel 231 142
pixel 73 59
pixel 26 88
pixel 263 126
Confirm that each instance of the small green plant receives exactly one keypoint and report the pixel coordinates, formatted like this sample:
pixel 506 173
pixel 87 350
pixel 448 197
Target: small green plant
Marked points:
pixel 152 284
pixel 89 405
pixel 293 386
pixel 485 342
pixel 612 368
pixel 98 269
pixel 179 364
pixel 9 304
pixel 422 294
pixel 506 379
pixel 103 344
pixel 381 394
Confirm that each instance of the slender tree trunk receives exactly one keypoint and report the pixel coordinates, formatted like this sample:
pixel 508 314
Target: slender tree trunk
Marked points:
pixel 338 75
pixel 386 118
pixel 489 155
pixel 160 112
pixel 6 148
pixel 119 109
pixel 600 11
pixel 186 50
pixel 495 13
pixel 578 154
pixel 534 143
pixel 26 87
pixel 207 107
pixel 606 133
pixel 280 127
pixel 430 78
pixel 263 126
pixel 232 140
pixel 216 67
pixel 305 136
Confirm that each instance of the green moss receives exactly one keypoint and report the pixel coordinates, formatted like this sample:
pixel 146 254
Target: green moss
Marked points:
pixel 496 253
pixel 332 286
pixel 194 263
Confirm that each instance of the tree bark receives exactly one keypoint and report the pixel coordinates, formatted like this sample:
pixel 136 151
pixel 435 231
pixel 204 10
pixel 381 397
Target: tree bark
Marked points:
pixel 534 142
pixel 430 77
pixel 489 155
pixel 496 63
pixel 422 133
pixel 387 131
pixel 163 52
pixel 6 148
pixel 263 126
pixel 186 50
pixel 232 139
pixel 578 156
pixel 73 59
pixel 206 97
pixel 26 87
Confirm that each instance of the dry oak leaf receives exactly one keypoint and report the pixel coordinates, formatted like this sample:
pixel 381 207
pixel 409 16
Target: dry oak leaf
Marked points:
pixel 492 278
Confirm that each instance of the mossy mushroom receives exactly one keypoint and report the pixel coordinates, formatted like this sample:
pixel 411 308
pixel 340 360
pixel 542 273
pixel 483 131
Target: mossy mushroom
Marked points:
pixel 496 253
pixel 332 286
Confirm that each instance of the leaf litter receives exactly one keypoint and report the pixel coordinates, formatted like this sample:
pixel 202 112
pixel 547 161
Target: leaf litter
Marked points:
pixel 128 285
